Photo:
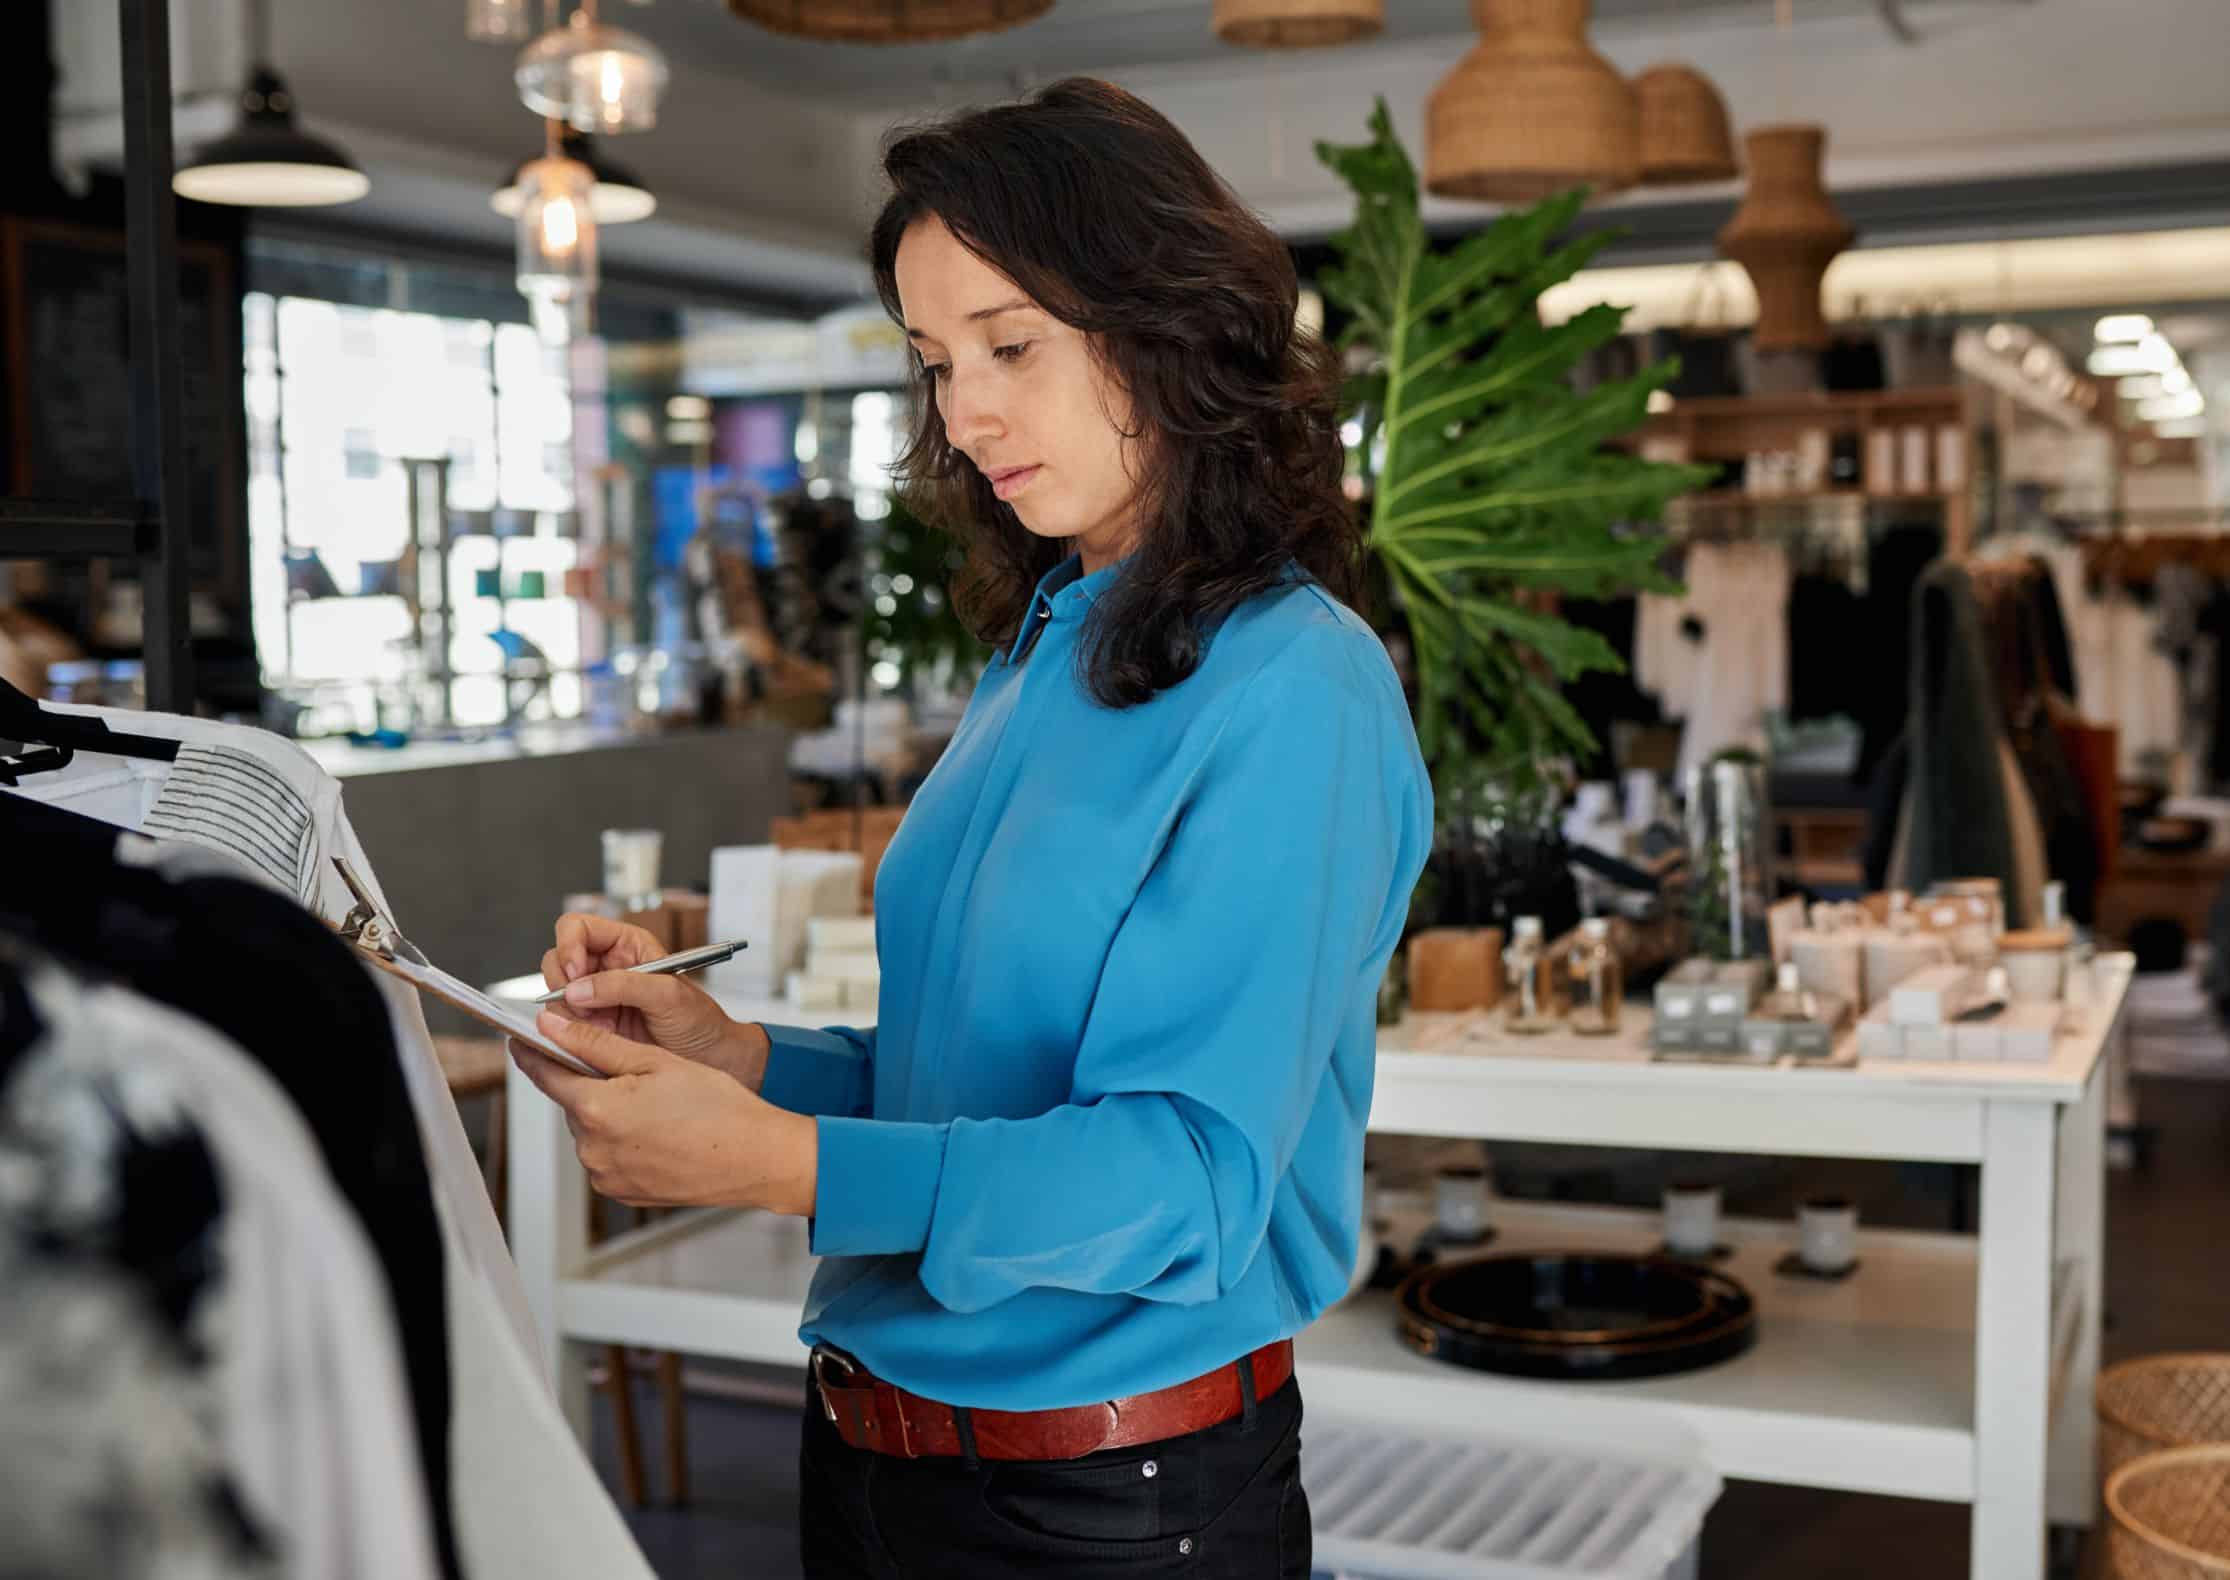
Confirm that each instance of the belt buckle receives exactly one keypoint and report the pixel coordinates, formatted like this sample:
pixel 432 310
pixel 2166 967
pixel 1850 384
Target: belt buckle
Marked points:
pixel 820 1359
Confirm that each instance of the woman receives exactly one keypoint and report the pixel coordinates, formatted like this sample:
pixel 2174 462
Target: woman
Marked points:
pixel 1102 1157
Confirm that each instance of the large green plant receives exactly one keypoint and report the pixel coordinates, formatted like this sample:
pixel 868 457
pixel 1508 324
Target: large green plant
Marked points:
pixel 916 566
pixel 1495 480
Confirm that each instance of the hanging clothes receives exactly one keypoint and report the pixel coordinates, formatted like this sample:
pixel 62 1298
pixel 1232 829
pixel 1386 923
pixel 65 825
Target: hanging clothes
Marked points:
pixel 2012 596
pixel 174 923
pixel 1882 663
pixel 1717 654
pixel 2122 677
pixel 1826 626
pixel 527 1502
pixel 1964 810
pixel 1605 698
pixel 286 1316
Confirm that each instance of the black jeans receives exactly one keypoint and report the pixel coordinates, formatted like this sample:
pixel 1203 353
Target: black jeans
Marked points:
pixel 1220 1504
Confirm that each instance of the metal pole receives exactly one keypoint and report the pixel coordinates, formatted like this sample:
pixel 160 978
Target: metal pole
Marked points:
pixel 158 391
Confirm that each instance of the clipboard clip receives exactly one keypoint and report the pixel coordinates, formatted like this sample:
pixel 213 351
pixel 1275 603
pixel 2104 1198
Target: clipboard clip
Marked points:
pixel 369 929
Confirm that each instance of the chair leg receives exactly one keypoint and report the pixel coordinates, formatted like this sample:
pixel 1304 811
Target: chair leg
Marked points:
pixel 676 1407
pixel 623 1426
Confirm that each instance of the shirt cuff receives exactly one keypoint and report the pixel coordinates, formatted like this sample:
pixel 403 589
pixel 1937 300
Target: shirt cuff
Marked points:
pixel 813 1072
pixel 875 1186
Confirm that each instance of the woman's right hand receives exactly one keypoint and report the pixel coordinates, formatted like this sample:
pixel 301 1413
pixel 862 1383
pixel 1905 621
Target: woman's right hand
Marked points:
pixel 591 960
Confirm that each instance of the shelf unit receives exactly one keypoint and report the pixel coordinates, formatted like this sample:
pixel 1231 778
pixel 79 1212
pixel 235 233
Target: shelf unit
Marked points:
pixel 151 528
pixel 1865 1385
pixel 1728 429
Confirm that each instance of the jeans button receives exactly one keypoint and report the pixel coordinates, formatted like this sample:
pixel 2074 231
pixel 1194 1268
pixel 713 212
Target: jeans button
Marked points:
pixel 1149 1470
pixel 1184 1546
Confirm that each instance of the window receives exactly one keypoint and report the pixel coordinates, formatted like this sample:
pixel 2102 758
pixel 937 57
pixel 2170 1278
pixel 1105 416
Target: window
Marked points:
pixel 375 601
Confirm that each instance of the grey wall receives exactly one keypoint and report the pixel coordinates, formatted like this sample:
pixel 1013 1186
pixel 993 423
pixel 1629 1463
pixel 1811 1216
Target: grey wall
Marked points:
pixel 475 858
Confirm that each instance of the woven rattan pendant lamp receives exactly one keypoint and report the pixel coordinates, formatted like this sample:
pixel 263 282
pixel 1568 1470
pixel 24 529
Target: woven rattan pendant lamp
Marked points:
pixel 1532 110
pixel 1785 234
pixel 888 21
pixel 1297 24
pixel 1685 135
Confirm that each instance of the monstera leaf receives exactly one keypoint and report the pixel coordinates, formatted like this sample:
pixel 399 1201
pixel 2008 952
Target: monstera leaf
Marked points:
pixel 1495 488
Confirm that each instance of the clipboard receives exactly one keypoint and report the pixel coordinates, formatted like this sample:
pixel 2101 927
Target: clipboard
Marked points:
pixel 380 942
pixel 494 1013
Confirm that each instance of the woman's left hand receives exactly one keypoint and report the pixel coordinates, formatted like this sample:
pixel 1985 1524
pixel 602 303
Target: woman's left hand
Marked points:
pixel 664 1131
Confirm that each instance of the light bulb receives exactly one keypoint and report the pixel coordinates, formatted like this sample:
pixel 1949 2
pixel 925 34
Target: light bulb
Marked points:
pixel 561 228
pixel 557 244
pixel 594 77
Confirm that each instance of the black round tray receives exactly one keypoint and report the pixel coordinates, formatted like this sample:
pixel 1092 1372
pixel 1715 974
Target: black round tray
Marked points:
pixel 1578 1316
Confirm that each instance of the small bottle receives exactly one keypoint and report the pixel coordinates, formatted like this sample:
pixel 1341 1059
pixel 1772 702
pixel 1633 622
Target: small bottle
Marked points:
pixel 1529 1006
pixel 1593 980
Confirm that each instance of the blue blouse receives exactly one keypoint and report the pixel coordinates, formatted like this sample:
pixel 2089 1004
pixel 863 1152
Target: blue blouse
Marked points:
pixel 1108 1134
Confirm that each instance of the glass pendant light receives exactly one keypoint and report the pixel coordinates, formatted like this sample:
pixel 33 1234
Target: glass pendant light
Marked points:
pixel 266 161
pixel 557 241
pixel 616 198
pixel 499 21
pixel 593 77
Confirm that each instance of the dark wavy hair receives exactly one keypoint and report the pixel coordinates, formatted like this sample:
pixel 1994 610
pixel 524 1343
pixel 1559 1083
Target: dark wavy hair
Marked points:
pixel 1098 208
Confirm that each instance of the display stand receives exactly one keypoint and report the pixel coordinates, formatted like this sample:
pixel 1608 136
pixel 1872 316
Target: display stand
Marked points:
pixel 152 528
pixel 1955 1368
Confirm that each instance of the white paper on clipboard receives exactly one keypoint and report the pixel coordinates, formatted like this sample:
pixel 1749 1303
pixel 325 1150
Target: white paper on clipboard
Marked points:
pixel 512 1020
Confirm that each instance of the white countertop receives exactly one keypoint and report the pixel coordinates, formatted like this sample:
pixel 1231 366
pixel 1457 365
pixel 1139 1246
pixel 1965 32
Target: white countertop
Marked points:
pixel 344 759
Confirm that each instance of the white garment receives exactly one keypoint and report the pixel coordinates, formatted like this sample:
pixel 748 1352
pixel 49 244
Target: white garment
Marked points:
pixel 1726 684
pixel 314 1414
pixel 526 1500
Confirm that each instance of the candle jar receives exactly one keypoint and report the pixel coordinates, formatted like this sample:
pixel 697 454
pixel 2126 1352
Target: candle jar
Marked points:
pixel 1593 980
pixel 1529 1002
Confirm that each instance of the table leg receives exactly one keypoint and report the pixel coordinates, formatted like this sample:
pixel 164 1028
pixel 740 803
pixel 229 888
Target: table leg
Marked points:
pixel 2013 1341
pixel 548 1221
pixel 2082 1236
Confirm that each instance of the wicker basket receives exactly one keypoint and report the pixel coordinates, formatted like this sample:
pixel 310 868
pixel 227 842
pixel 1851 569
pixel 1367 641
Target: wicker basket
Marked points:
pixel 2161 1401
pixel 1685 135
pixel 1785 235
pixel 1531 111
pixel 888 21
pixel 1297 24
pixel 2168 1516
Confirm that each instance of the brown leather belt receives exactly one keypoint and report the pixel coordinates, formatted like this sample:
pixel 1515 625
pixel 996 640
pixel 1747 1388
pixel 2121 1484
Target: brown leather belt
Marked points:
pixel 885 1419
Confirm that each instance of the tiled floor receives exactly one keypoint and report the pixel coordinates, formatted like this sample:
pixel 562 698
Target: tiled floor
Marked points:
pixel 2165 1290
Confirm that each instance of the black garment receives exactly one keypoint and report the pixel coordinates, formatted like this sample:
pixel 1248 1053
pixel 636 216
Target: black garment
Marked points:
pixel 1893 566
pixel 2215 621
pixel 2063 814
pixel 2051 623
pixel 312 1019
pixel 1827 630
pixel 1221 1504
pixel 1603 698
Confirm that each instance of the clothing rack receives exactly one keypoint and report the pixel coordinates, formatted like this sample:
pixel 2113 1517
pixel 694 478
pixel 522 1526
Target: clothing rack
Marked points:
pixel 152 527
pixel 2135 548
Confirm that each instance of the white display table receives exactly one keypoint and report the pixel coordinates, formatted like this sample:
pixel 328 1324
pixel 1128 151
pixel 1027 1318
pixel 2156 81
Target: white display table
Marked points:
pixel 1948 1367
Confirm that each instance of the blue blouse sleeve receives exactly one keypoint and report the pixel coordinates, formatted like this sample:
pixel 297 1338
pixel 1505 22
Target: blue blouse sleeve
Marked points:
pixel 829 1071
pixel 1281 888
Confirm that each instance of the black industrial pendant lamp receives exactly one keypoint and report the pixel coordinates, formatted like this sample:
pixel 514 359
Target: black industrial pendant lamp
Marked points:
pixel 266 161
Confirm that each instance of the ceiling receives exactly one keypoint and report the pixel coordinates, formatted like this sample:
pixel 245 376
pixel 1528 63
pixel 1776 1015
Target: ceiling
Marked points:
pixel 764 158
pixel 1098 36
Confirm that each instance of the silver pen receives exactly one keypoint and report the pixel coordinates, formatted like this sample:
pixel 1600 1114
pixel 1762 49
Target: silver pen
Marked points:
pixel 672 965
